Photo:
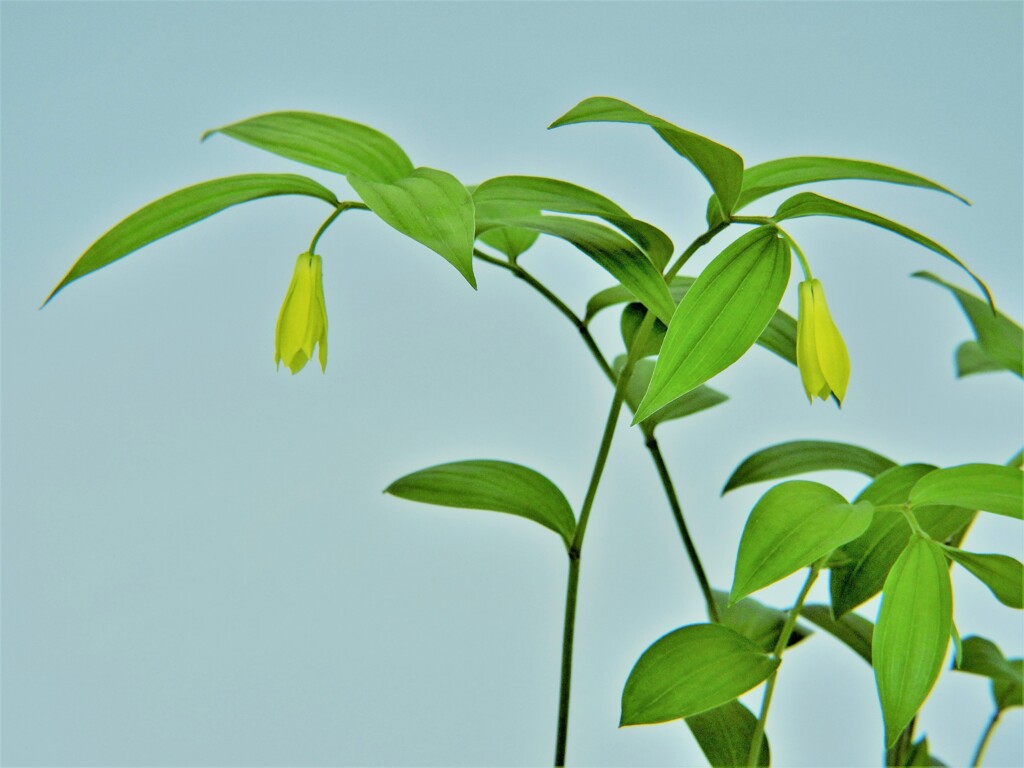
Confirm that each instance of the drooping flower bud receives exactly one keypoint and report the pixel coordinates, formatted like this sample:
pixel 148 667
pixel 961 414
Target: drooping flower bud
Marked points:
pixel 821 353
pixel 302 322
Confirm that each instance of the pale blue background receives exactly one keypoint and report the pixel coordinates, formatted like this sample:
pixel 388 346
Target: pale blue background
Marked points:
pixel 198 565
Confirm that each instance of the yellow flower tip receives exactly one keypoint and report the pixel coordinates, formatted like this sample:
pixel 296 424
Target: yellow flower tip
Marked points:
pixel 302 321
pixel 821 352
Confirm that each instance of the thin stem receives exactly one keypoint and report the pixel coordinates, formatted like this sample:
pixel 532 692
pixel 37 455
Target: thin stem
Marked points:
pixel 695 246
pixel 780 647
pixel 338 210
pixel 576 548
pixel 760 220
pixel 799 254
pixel 979 753
pixel 677 513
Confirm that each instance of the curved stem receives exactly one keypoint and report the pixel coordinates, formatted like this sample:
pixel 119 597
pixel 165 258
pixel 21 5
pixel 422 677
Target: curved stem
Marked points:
pixel 684 532
pixel 695 246
pixel 979 753
pixel 339 209
pixel 780 647
pixel 799 254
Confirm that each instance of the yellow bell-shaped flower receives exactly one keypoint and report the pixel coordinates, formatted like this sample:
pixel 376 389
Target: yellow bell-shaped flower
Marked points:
pixel 302 322
pixel 821 353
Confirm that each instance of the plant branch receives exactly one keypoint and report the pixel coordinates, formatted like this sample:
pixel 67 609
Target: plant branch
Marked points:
pixel 780 647
pixel 339 209
pixel 979 753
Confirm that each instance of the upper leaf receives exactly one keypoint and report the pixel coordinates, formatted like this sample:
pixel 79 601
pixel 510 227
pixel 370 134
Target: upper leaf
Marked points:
pixel 506 196
pixel 694 401
pixel 774 175
pixel 800 456
pixel 721 166
pixel 1002 574
pixel 617 254
pixel 323 142
pixel 692 670
pixel 430 206
pixel 495 485
pixel 810 204
pixel 725 733
pixel 182 208
pixel 791 526
pixel 720 317
pixel 757 622
pixel 912 633
pixel 853 630
pixel 988 487
pixel 1001 339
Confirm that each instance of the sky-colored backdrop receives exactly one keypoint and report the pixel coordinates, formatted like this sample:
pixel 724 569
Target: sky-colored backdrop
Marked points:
pixel 199 567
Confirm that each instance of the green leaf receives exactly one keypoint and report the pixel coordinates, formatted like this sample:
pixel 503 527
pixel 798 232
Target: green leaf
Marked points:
pixel 794 524
pixel 1000 339
pixel 853 630
pixel 799 456
pixel 721 316
pixel 692 670
pixel 987 487
pixel 430 206
pixel 182 208
pixel 619 294
pixel 725 733
pixel 757 622
pixel 1002 574
pixel 971 358
pixel 912 633
pixel 870 556
pixel 983 657
pixel 920 755
pixel 721 166
pixel 511 241
pixel 774 175
pixel 694 401
pixel 505 196
pixel 810 204
pixel 620 256
pixel 323 142
pixel 633 316
pixel 493 485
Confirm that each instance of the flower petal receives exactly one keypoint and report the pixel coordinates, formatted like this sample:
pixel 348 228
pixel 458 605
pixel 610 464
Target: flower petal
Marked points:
pixel 806 348
pixel 833 359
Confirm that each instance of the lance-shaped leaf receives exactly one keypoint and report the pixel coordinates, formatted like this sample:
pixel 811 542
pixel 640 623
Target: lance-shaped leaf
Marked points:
pixel 912 633
pixel 694 401
pixel 720 317
pixel 1001 339
pixel 615 253
pixel 791 526
pixel 774 175
pixel 182 208
pixel 810 204
pixel 721 166
pixel 800 456
pixel 853 630
pixel 866 560
pixel 503 196
pixel 724 735
pixel 633 316
pixel 757 622
pixel 323 142
pixel 988 487
pixel 983 657
pixel 499 486
pixel 1002 574
pixel 692 670
pixel 430 206
pixel 510 241
pixel 619 294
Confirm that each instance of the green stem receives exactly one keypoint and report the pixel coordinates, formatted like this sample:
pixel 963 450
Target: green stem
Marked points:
pixel 695 246
pixel 780 647
pixel 576 548
pixel 979 753
pixel 799 254
pixel 339 209
pixel 900 752
pixel 677 513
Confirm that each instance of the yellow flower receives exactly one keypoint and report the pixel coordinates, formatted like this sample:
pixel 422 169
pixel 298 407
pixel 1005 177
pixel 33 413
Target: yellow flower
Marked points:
pixel 302 323
pixel 820 352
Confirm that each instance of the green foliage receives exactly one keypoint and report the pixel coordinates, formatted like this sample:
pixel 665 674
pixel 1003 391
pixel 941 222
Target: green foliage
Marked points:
pixel 986 487
pixel 493 485
pixel 694 401
pixel 912 633
pixel 692 670
pixel 854 631
pixel 799 456
pixel 720 317
pixel 793 525
pixel 1002 574
pixel 724 735
pixel 983 657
